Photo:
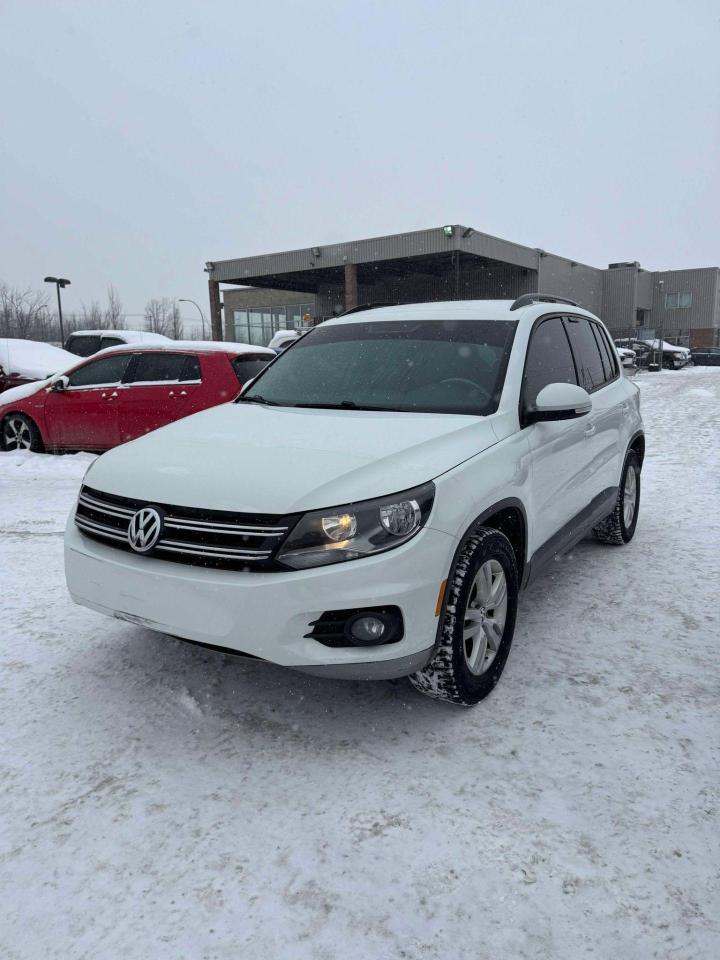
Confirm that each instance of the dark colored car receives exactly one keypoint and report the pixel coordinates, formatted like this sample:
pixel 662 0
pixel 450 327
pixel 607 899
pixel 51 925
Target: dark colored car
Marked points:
pixel 706 356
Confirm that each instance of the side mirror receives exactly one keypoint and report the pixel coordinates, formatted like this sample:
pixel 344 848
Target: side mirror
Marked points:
pixel 247 385
pixel 60 384
pixel 559 401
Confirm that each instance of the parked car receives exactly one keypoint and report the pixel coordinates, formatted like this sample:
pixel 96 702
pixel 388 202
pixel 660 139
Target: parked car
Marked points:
pixel 373 503
pixel 27 361
pixel 627 357
pixel 84 343
pixel 126 392
pixel 283 339
pixel 706 356
pixel 673 358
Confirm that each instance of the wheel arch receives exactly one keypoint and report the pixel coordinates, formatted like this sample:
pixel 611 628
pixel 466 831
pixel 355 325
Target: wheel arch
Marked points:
pixel 508 516
pixel 28 416
pixel 637 443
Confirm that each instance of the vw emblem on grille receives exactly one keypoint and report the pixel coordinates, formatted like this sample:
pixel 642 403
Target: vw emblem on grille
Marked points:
pixel 145 529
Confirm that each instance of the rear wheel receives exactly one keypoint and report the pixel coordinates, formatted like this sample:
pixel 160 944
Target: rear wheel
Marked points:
pixel 478 621
pixel 619 527
pixel 20 433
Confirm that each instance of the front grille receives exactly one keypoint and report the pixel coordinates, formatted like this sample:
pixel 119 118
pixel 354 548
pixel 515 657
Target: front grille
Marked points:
pixel 207 538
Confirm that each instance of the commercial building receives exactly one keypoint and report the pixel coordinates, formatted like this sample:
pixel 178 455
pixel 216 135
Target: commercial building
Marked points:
pixel 454 262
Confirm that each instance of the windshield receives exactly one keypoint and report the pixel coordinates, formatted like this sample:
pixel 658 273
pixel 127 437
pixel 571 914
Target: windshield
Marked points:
pixel 423 366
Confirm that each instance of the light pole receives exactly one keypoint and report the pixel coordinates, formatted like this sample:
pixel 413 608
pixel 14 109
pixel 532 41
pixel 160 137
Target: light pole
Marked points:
pixel 59 282
pixel 202 315
pixel 659 341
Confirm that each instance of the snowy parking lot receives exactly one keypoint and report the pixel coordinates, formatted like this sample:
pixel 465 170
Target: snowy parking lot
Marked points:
pixel 158 800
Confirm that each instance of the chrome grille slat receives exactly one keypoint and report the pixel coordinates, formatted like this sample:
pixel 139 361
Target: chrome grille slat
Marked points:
pixel 209 527
pixel 94 527
pixel 94 504
pixel 209 550
pixel 215 556
pixel 201 540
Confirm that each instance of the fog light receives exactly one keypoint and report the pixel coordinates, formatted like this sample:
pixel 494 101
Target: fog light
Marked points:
pixel 366 629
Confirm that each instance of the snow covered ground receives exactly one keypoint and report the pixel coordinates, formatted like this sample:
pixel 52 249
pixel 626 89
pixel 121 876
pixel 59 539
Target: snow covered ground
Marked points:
pixel 161 801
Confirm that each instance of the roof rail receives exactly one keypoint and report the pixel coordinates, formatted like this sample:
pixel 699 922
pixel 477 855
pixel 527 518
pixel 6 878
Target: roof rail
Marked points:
pixel 361 307
pixel 527 298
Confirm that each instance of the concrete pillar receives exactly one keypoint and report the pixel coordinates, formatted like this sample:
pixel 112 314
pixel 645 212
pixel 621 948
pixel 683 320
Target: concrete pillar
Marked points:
pixel 215 311
pixel 351 286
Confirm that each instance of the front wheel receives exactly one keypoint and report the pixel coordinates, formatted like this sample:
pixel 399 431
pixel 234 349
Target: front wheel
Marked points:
pixel 20 433
pixel 478 621
pixel 619 527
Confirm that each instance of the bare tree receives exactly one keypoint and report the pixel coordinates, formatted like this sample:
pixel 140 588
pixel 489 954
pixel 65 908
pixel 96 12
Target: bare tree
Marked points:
pixel 114 313
pixel 92 316
pixel 163 316
pixel 22 312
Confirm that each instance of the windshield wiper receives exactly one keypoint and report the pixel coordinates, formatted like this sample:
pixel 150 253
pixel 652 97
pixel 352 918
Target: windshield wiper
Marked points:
pixel 258 399
pixel 343 405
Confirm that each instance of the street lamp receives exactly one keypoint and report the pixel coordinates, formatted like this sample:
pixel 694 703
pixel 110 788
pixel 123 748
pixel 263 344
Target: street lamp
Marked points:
pixel 59 282
pixel 202 315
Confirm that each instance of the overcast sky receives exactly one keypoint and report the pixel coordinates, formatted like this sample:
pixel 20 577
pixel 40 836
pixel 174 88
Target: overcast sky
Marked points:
pixel 140 139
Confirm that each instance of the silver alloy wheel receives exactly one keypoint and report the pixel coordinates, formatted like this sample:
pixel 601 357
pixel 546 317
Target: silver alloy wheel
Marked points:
pixel 484 618
pixel 16 434
pixel 629 497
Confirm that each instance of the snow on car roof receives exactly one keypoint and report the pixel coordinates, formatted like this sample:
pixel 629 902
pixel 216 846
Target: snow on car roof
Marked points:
pixel 130 336
pixel 451 310
pixel 197 346
pixel 34 359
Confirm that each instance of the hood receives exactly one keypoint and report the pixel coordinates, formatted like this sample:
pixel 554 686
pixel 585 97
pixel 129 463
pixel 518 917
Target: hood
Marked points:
pixel 256 459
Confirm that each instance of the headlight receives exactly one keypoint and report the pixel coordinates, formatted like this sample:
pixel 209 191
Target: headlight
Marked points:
pixel 679 356
pixel 358 529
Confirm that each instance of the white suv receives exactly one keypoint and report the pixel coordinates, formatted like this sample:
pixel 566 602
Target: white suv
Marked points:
pixel 373 503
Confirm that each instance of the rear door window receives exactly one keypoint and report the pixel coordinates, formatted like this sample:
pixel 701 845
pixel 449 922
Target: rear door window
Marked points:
pixel 549 359
pixel 112 342
pixel 160 367
pixel 83 346
pixel 105 371
pixel 248 366
pixel 586 352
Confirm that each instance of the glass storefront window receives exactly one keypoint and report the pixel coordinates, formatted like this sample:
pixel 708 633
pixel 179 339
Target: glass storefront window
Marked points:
pixel 257 325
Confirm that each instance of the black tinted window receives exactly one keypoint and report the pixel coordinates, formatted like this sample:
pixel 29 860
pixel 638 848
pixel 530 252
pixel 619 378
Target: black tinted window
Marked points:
pixel 112 342
pixel 191 370
pixel 247 367
pixel 606 352
pixel 104 370
pixel 158 367
pixel 587 353
pixel 83 346
pixel 549 359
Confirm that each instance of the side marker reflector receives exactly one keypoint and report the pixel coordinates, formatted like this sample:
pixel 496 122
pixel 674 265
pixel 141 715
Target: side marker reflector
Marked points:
pixel 441 597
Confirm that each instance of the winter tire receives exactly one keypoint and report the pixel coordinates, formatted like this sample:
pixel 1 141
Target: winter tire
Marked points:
pixel 619 527
pixel 478 621
pixel 20 433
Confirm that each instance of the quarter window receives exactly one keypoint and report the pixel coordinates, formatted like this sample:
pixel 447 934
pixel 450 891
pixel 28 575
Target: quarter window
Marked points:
pixel 608 355
pixel 587 353
pixel 549 359
pixel 247 367
pixel 102 372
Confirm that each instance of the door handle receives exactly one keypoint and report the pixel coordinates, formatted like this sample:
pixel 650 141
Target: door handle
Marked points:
pixel 110 396
pixel 176 396
pixel 590 432
pixel 626 407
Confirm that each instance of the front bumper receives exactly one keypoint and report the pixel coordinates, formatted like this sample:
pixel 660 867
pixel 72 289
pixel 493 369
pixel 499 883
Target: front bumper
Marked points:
pixel 266 614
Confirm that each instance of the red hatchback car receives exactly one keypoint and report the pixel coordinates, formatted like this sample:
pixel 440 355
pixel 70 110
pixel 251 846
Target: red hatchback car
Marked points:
pixel 124 392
